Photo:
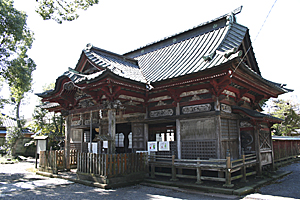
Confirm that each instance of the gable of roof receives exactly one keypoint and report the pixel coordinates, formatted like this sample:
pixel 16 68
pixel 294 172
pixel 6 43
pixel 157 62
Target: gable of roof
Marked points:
pixel 102 60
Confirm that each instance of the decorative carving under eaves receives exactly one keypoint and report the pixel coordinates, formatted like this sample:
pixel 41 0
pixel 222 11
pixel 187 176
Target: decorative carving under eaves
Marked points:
pixel 159 98
pixel 195 98
pixel 161 113
pixel 86 103
pixel 244 124
pixel 160 103
pixel 69 86
pixel 196 108
pixel 76 123
pixel 195 92
pixel 226 108
pixel 117 104
pixel 131 98
pixel 229 93
pixel 131 103
pixel 246 99
pixel 80 94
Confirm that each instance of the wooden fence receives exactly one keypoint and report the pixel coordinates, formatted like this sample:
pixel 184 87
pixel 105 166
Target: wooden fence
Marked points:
pixel 111 165
pixel 227 166
pixel 285 148
pixel 53 161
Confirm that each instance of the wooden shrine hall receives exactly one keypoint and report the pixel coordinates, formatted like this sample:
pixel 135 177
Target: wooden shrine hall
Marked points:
pixel 198 89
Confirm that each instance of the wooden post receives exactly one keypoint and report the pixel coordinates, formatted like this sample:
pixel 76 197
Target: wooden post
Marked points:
pixel 112 130
pixel 243 170
pixel 173 168
pixel 67 143
pixel 198 172
pixel 273 168
pixel 228 170
pixel 152 165
pixel 106 165
pixel 257 149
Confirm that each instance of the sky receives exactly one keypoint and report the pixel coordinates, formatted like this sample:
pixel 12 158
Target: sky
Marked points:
pixel 121 26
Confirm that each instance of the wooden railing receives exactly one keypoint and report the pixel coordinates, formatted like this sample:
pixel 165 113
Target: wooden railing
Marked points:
pixel 111 165
pixel 227 166
pixel 53 161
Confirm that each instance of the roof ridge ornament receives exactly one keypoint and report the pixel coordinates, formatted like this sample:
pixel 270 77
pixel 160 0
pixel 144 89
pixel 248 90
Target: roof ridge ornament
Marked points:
pixel 209 57
pixel 88 46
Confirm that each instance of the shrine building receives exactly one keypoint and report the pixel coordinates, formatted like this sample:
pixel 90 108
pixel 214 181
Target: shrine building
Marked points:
pixel 200 90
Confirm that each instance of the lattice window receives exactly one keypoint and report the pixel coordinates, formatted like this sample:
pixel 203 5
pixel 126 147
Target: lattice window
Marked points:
pixel 229 129
pixel 119 138
pixel 204 149
pixel 264 140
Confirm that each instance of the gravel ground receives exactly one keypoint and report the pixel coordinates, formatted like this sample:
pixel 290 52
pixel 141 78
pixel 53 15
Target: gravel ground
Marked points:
pixel 16 182
pixel 288 186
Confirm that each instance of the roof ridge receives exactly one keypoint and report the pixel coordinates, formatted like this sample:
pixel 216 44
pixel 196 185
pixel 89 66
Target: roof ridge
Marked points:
pixel 234 12
pixel 89 48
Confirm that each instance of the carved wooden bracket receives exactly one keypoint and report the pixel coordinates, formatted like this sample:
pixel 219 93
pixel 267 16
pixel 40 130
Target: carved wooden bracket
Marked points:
pixel 240 94
pixel 175 94
pixel 111 92
pixel 219 87
pixel 96 95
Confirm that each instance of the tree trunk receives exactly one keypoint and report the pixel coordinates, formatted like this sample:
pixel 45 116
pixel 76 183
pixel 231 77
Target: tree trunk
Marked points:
pixel 19 125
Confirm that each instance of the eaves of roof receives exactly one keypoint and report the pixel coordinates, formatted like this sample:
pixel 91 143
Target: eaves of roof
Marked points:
pixel 256 115
pixel 278 86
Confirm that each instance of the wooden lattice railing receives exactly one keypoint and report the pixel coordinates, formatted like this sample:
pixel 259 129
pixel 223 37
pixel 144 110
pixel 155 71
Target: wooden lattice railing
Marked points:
pixel 227 166
pixel 53 161
pixel 111 165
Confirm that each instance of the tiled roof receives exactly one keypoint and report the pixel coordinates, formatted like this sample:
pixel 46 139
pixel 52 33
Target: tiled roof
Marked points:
pixel 187 56
pixel 117 64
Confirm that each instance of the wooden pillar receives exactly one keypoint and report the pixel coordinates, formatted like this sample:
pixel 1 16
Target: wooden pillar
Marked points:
pixel 257 150
pixel 67 142
pixel 228 170
pixel 243 170
pixel 91 132
pixel 112 130
pixel 173 169
pixel 178 133
pixel 273 168
pixel 198 172
pixel 146 133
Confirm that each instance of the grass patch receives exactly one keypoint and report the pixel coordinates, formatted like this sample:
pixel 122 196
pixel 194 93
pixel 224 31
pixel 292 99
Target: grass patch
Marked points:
pixel 32 169
pixel 7 160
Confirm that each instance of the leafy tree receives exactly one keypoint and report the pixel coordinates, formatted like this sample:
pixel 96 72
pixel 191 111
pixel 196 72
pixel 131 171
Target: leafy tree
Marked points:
pixel 15 36
pixel 19 78
pixel 285 109
pixel 15 66
pixel 62 10
pixel 48 123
